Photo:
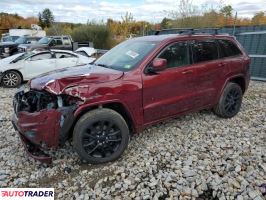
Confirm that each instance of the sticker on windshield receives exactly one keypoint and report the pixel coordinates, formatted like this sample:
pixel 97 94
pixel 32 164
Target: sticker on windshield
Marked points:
pixel 132 54
pixel 127 66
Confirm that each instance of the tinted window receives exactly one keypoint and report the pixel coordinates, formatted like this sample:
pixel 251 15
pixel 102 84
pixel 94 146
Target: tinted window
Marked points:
pixel 176 55
pixel 228 48
pixel 41 56
pixel 204 51
pixel 58 42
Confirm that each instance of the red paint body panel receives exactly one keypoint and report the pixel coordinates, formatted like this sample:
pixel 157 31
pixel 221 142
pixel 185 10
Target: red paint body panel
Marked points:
pixel 44 124
pixel 147 98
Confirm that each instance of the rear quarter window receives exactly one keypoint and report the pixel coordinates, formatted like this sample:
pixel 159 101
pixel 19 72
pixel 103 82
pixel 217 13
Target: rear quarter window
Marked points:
pixel 228 49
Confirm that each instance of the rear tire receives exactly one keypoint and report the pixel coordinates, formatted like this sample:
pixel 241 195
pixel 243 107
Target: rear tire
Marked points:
pixel 11 79
pixel 100 136
pixel 230 101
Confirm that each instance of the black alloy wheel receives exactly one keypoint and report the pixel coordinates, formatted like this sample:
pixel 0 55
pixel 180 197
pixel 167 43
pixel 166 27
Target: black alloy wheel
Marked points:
pixel 100 136
pixel 101 139
pixel 230 101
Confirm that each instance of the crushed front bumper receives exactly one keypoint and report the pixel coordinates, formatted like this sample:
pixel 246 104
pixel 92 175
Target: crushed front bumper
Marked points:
pixel 42 129
pixel 32 149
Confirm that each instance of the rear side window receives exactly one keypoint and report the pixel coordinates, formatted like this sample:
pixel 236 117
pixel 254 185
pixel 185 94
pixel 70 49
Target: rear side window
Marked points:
pixel 64 55
pixel 66 41
pixel 41 56
pixel 204 51
pixel 176 55
pixel 228 49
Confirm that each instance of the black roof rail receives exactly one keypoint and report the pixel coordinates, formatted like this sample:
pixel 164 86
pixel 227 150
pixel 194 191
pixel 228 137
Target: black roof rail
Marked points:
pixel 189 31
pixel 176 30
pixel 215 30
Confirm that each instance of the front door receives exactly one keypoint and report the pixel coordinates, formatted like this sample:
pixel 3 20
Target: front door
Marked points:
pixel 171 91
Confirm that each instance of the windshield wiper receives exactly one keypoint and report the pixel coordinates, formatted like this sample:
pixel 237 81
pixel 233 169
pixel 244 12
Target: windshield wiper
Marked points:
pixel 103 65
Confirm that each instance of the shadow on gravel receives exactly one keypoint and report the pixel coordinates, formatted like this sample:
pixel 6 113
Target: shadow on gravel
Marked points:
pixel 207 195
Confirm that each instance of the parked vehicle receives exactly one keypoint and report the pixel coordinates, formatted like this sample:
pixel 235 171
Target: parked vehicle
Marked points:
pixel 13 34
pixel 25 66
pixel 140 82
pixel 54 42
pixel 7 38
pixel 11 48
pixel 87 51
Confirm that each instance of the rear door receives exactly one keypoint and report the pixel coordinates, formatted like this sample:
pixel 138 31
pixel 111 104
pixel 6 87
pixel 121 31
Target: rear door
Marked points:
pixel 38 64
pixel 171 91
pixel 64 60
pixel 231 54
pixel 209 69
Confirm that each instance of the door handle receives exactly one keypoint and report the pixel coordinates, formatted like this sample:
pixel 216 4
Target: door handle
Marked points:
pixel 187 72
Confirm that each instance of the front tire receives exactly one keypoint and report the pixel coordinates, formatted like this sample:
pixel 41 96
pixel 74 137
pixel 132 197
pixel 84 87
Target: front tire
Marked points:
pixel 100 136
pixel 230 101
pixel 11 79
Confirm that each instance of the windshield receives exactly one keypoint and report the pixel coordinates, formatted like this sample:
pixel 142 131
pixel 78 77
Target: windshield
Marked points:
pixel 21 40
pixel 44 40
pixel 10 38
pixel 126 55
pixel 21 57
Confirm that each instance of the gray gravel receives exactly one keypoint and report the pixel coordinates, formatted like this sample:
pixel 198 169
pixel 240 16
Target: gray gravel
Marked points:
pixel 198 156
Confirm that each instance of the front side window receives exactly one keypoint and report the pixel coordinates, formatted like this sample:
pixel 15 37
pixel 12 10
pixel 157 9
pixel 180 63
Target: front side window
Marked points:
pixel 127 55
pixel 228 49
pixel 176 55
pixel 41 56
pixel 58 41
pixel 204 51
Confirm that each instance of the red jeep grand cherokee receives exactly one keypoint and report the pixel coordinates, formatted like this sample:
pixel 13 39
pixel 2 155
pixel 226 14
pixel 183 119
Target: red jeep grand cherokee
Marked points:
pixel 140 82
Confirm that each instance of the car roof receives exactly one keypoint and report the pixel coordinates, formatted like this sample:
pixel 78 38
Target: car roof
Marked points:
pixel 166 37
pixel 64 51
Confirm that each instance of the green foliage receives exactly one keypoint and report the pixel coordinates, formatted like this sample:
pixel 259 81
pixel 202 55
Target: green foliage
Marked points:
pixel 46 18
pixel 166 23
pixel 96 33
pixel 227 11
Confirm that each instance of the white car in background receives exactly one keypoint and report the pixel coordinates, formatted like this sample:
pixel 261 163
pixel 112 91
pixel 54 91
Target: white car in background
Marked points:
pixel 25 66
pixel 86 51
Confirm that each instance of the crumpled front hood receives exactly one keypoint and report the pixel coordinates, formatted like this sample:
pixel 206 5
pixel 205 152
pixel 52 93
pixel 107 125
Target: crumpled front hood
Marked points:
pixel 57 81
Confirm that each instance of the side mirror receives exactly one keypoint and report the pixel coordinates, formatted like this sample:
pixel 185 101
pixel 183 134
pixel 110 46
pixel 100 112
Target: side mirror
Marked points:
pixel 159 64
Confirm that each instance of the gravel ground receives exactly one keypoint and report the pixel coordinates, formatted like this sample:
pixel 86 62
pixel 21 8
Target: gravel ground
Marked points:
pixel 198 156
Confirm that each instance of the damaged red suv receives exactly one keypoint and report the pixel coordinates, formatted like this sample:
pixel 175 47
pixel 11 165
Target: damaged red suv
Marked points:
pixel 140 82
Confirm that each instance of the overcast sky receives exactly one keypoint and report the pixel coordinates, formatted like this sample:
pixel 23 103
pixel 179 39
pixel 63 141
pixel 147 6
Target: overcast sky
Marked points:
pixel 151 10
